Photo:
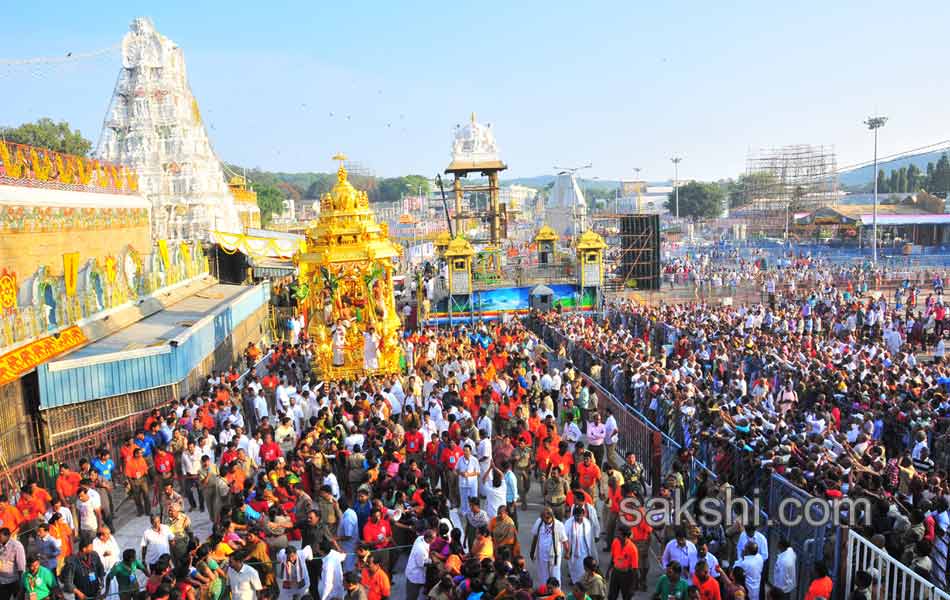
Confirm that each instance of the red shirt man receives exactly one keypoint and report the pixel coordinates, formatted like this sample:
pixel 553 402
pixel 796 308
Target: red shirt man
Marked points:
pixel 270 450
pixel 269 382
pixel 378 532
pixel 165 464
pixel 432 452
pixel 450 456
pixel 414 440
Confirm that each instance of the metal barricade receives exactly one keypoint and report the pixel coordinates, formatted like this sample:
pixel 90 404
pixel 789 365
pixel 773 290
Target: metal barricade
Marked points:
pixel 940 557
pixel 812 538
pixel 895 579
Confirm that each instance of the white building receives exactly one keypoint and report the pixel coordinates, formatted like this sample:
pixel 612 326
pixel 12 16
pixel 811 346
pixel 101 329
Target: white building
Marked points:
pixel 519 199
pixel 566 208
pixel 154 125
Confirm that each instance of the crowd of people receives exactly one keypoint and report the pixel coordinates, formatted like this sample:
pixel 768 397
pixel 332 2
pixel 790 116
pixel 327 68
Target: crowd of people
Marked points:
pixel 842 392
pixel 332 490
pixel 319 489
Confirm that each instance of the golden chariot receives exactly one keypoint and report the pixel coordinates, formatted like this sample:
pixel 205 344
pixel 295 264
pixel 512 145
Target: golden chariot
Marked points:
pixel 346 277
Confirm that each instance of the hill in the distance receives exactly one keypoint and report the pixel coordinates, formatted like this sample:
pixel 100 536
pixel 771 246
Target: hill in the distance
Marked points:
pixel 864 176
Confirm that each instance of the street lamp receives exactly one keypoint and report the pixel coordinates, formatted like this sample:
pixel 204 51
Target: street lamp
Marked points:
pixel 875 123
pixel 676 190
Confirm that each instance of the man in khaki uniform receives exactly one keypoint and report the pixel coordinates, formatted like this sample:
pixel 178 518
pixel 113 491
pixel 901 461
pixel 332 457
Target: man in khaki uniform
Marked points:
pixel 555 492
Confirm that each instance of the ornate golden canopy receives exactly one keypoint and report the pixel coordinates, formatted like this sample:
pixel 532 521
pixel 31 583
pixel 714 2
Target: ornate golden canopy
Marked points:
pixel 347 269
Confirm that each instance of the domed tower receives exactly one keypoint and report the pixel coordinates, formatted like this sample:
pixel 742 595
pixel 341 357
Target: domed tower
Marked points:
pixel 474 150
pixel 346 276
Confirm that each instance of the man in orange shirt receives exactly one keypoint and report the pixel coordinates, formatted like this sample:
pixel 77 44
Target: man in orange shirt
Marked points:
pixel 375 580
pixel 707 586
pixel 588 474
pixel 821 585
pixel 136 473
pixel 624 563
pixel 640 534
pixel 10 516
pixel 67 484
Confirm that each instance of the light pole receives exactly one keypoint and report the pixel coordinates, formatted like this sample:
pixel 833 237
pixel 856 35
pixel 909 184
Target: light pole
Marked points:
pixel 875 123
pixel 636 184
pixel 676 190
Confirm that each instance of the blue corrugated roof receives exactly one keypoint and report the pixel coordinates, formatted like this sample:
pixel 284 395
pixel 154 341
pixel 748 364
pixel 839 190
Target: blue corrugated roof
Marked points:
pixel 157 351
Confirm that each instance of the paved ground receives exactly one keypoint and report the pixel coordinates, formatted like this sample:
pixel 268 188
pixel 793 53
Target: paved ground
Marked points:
pixel 130 528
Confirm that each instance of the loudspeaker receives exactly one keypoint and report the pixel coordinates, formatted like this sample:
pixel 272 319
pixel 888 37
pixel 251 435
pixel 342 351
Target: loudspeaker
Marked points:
pixel 640 247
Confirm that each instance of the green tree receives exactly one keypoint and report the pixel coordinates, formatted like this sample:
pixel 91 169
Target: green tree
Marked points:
pixel 913 178
pixel 748 186
pixel 47 134
pixel 698 200
pixel 902 180
pixel 881 182
pixel 414 182
pixel 892 183
pixel 270 200
pixel 941 177
pixel 321 184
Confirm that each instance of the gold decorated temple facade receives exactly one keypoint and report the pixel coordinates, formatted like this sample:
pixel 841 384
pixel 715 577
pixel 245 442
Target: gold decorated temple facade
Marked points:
pixel 346 274
pixel 245 200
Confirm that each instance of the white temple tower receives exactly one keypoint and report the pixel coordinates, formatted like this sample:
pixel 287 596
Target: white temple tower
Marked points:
pixel 566 209
pixel 154 125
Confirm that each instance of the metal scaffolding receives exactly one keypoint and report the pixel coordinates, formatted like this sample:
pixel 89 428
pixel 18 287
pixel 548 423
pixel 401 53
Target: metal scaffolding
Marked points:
pixel 632 258
pixel 782 181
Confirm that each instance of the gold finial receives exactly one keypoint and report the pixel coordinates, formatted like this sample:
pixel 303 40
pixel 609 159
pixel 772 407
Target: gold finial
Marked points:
pixel 341 172
pixel 473 117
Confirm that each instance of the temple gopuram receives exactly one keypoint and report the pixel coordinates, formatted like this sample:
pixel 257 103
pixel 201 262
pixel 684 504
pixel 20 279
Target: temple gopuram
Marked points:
pixel 346 276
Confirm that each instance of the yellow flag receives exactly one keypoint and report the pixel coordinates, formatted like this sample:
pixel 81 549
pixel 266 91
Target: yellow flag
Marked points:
pixel 163 252
pixel 71 272
pixel 186 253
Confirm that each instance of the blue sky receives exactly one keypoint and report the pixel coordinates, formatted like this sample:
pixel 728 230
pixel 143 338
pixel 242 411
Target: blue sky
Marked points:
pixel 618 84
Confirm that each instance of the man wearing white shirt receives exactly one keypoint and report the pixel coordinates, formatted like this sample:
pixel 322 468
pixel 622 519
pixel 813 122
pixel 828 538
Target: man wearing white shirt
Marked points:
pixel 348 536
pixel 785 573
pixel 580 539
pixel 485 424
pixel 751 535
pixel 283 394
pixel 751 562
pixel 704 555
pixel 468 470
pixel 484 450
pixel 331 576
pixel 680 549
pixel 107 548
pixel 395 404
pixel 254 448
pixel 156 541
pixel 293 579
pixel 261 409
pixel 416 565
pixel 611 435
pixel 244 581
pixel 329 478
pixel 190 464
pixel 226 435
